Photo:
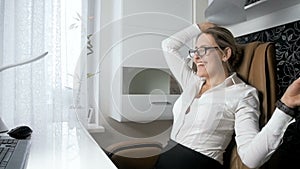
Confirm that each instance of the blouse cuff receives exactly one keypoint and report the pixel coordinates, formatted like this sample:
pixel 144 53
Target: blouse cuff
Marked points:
pixel 187 34
pixel 279 121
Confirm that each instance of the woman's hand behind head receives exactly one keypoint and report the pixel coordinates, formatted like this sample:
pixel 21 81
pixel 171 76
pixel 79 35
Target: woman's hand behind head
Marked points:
pixel 205 25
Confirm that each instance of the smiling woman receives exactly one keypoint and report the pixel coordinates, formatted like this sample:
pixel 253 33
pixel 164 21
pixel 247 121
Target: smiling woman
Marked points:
pixel 216 104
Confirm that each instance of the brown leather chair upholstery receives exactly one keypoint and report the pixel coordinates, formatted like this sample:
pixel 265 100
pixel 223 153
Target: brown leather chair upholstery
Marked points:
pixel 258 69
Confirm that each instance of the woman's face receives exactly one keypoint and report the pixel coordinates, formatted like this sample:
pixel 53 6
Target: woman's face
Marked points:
pixel 209 64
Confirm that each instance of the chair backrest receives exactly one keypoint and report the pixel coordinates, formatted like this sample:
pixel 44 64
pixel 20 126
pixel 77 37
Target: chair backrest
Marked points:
pixel 258 69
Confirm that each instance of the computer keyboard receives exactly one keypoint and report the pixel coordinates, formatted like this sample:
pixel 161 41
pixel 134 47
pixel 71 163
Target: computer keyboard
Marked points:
pixel 13 153
pixel 7 147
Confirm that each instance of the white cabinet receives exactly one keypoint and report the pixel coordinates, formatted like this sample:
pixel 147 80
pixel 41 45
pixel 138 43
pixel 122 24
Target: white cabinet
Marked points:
pixel 141 87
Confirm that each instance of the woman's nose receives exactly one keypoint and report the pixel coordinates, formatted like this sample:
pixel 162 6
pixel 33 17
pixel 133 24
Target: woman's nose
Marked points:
pixel 197 57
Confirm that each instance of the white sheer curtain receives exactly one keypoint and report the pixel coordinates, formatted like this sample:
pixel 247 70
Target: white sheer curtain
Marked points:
pixel 40 92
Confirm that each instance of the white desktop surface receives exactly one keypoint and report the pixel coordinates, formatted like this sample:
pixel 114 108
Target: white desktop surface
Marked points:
pixel 65 145
pixel 57 144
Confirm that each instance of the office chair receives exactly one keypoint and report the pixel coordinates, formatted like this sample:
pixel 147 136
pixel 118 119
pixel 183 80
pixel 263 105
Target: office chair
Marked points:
pixel 134 154
pixel 257 69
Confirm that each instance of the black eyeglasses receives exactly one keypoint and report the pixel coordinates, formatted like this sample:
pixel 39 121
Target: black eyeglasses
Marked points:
pixel 200 51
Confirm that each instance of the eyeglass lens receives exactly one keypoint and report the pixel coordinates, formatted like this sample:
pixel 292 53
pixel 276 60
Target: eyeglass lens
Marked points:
pixel 200 51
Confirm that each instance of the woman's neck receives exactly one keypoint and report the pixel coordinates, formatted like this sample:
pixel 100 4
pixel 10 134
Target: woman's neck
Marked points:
pixel 215 80
pixel 209 83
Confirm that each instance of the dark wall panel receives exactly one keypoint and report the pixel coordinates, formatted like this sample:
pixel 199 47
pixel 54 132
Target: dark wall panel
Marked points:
pixel 287 42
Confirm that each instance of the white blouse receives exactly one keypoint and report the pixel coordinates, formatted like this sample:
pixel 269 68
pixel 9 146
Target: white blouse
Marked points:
pixel 206 124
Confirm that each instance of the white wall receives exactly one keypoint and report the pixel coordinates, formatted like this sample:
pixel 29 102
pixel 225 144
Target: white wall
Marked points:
pixel 112 30
pixel 118 131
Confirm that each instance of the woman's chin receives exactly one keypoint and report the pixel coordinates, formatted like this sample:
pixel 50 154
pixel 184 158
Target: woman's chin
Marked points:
pixel 202 74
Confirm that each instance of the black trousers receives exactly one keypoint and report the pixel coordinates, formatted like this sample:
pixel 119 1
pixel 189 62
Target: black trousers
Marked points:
pixel 177 156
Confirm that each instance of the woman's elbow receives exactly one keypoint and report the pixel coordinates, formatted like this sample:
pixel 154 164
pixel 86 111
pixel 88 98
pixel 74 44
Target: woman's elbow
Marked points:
pixel 250 162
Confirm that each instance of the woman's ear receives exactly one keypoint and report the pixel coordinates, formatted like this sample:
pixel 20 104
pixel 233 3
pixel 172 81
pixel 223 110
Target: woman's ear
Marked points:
pixel 227 54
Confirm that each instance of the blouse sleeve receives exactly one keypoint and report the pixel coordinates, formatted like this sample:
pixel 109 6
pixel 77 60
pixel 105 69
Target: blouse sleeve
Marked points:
pixel 178 64
pixel 256 146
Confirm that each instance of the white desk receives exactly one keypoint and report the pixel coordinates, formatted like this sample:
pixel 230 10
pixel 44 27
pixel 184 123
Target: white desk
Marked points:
pixel 63 145
pixel 66 145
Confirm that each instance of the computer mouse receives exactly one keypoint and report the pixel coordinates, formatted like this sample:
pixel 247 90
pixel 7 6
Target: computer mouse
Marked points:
pixel 20 132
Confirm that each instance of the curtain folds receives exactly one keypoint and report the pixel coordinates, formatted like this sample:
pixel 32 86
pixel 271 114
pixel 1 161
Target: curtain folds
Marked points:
pixel 40 92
